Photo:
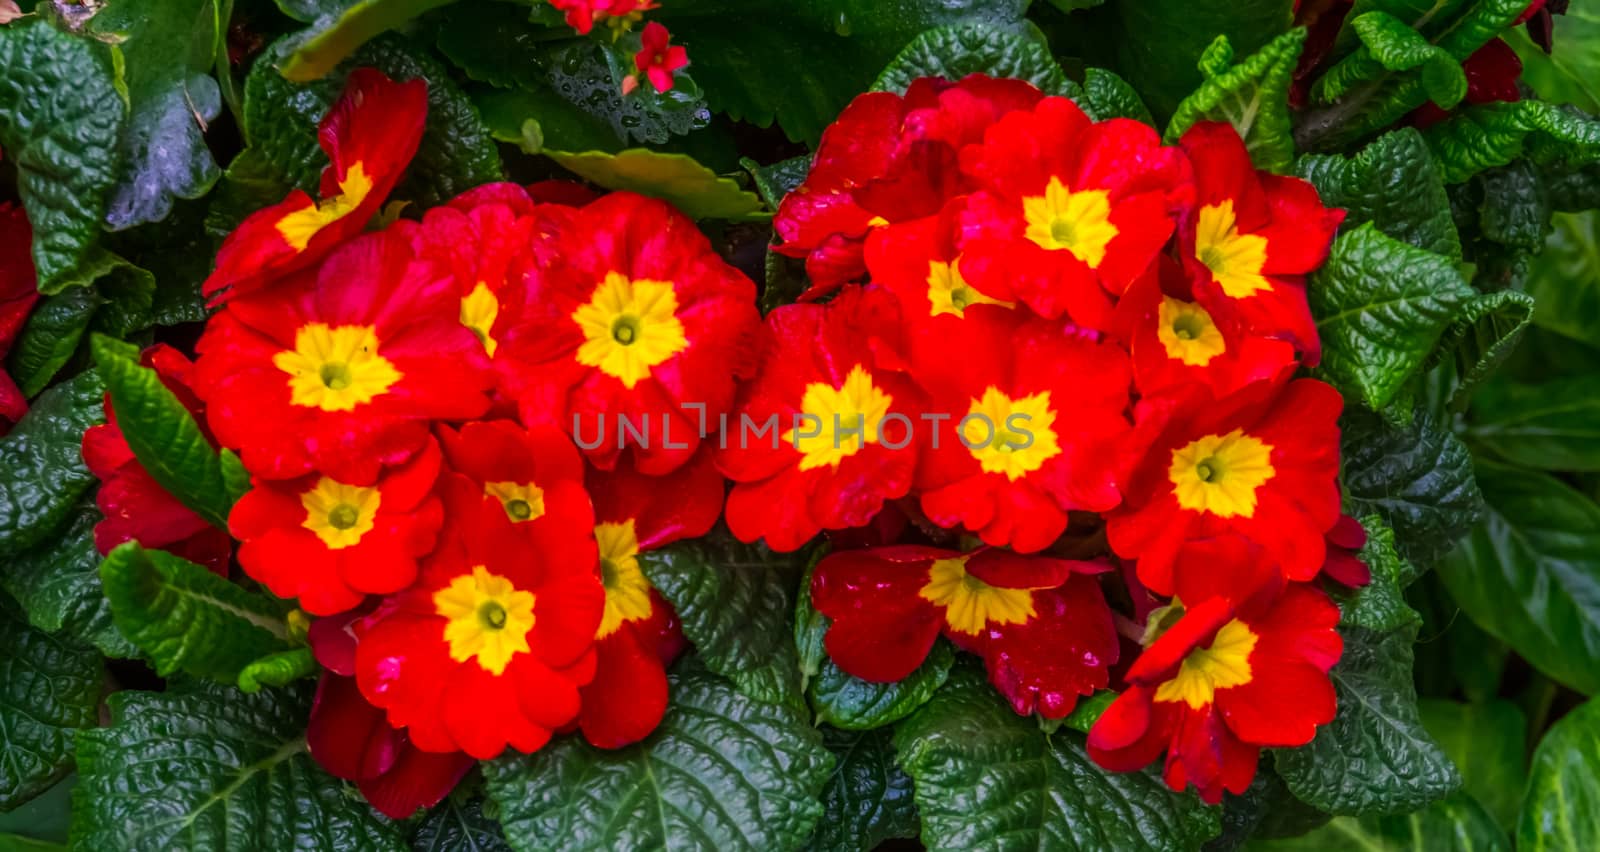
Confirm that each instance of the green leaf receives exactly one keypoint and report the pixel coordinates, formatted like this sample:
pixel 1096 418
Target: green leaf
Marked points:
pixel 1562 806
pixel 532 119
pixel 674 178
pixel 1266 809
pixel 334 37
pixel 779 179
pixel 868 798
pixel 280 669
pixel 281 118
pixel 1516 209
pixel 1089 711
pixel 1392 183
pixel 42 473
pixel 954 52
pixel 1570 74
pixel 1253 96
pixel 215 770
pixel 721 772
pixel 987 778
pixel 1395 46
pixel 129 295
pixel 459 826
pixel 799 63
pixel 1456 822
pixel 1381 306
pixel 168 47
pixel 1565 279
pixel 1417 476
pixel 49 688
pixel 1380 605
pixel 810 626
pixel 60 122
pixel 58 585
pixel 1483 337
pixel 186 618
pixel 1551 426
pixel 734 601
pixel 1488 744
pixel 1375 757
pixel 163 434
pixel 1162 40
pixel 42 820
pixel 1487 135
pixel 848 702
pixel 1105 95
pixel 250 183
pixel 50 336
pixel 1526 574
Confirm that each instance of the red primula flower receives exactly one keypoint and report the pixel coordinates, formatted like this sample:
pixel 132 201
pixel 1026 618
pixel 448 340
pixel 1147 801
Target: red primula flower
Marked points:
pixel 370 135
pixel 136 508
pixel 1263 463
pixel 340 369
pixel 1041 625
pixel 1345 540
pixel 1069 212
pixel 825 433
pixel 534 475
pixel 1245 667
pixel 490 647
pixel 639 325
pixel 639 634
pixel 887 158
pixel 1034 420
pixel 330 544
pixel 656 60
pixel 1251 240
pixel 19 290
pixel 920 262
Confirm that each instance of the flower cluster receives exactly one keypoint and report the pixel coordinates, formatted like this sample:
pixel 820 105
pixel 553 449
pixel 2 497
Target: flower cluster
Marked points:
pixel 1068 351
pixel 656 59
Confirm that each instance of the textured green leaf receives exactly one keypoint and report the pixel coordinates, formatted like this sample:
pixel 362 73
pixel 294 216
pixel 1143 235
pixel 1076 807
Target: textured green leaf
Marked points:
pixel 779 179
pixel 459 826
pixel 186 618
pixel 60 122
pixel 987 778
pixel 721 772
pixel 1418 477
pixel 810 626
pixel 49 687
pixel 1516 209
pixel 734 601
pixel 1391 183
pixel 674 178
pixel 1105 95
pixel 1483 337
pixel 1253 96
pixel 868 797
pixel 204 767
pixel 1562 806
pixel 536 118
pixel 1551 426
pixel 1381 306
pixel 280 669
pixel 1565 279
pixel 250 183
pixel 1380 605
pixel 1570 74
pixel 168 47
pixel 42 473
pixel 1527 573
pixel 955 52
pixel 333 38
pixel 1488 135
pixel 129 306
pixel 1266 809
pixel 58 586
pixel 849 702
pixel 1089 711
pixel 1488 744
pixel 1161 41
pixel 50 336
pixel 163 434
pixel 176 255
pixel 1389 44
pixel 1457 823
pixel 1374 757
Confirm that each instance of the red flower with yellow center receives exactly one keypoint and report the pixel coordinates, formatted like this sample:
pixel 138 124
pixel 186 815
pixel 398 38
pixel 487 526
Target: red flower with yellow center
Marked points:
pixel 135 506
pixel 1251 240
pixel 920 262
pixel 1041 625
pixel 639 634
pixel 330 544
pixel 826 431
pixel 1263 463
pixel 340 369
pixel 1068 212
pixel 369 135
pixel 1035 418
pixel 1244 668
pixel 19 290
pixel 640 321
pixel 533 475
pixel 657 59
pixel 489 648
pixel 887 158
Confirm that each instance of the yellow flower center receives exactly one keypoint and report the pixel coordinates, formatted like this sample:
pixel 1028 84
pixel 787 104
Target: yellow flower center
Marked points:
pixel 838 422
pixel 970 604
pixel 479 309
pixel 949 293
pixel 629 327
pixel 627 591
pixel 1079 222
pixel 1234 259
pixel 300 226
pixel 335 368
pixel 1011 436
pixel 1220 473
pixel 339 514
pixel 523 501
pixel 486 618
pixel 1187 332
pixel 1225 663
